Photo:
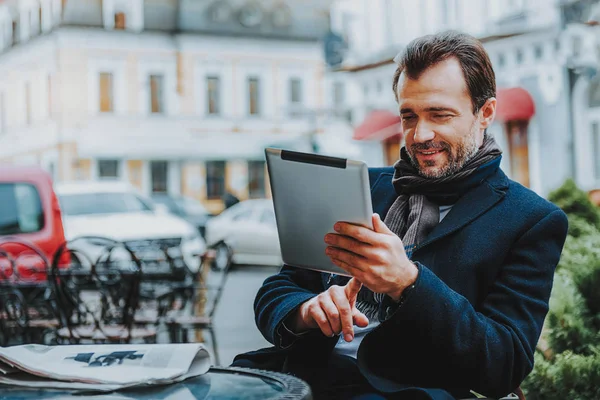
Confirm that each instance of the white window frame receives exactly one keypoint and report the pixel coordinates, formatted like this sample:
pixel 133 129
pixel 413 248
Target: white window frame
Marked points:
pixel 264 72
pixel 118 68
pixel 166 68
pixel 133 10
pixel 227 93
pixel 95 168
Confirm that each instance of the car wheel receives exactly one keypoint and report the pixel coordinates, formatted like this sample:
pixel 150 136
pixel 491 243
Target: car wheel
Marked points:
pixel 223 255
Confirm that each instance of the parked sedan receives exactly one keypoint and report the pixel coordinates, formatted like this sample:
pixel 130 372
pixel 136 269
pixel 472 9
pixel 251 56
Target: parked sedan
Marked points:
pixel 115 210
pixel 245 233
pixel 187 208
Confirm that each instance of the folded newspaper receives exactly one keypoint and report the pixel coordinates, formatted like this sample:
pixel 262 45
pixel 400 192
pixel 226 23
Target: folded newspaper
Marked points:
pixel 104 367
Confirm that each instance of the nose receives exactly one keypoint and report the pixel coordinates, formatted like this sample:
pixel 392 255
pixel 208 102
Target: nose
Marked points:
pixel 423 133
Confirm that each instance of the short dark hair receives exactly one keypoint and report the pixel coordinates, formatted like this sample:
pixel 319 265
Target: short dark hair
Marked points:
pixel 426 51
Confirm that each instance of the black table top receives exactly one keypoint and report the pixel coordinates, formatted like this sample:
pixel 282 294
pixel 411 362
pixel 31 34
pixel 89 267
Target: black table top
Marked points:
pixel 217 384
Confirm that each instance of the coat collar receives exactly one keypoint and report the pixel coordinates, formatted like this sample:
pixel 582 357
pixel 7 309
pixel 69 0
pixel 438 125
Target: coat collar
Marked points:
pixel 469 207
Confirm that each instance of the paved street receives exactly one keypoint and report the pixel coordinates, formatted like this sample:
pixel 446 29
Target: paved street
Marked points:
pixel 234 320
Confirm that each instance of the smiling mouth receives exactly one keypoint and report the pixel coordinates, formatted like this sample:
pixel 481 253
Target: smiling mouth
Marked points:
pixel 430 152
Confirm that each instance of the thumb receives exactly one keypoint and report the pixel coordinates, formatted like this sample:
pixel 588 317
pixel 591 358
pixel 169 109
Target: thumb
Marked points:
pixel 379 226
pixel 352 288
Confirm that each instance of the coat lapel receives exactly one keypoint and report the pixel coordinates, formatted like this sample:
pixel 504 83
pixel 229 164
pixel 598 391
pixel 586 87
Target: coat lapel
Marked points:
pixel 469 207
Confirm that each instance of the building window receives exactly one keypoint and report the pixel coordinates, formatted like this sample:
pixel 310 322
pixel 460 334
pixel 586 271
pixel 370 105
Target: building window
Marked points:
pixel 295 97
pixel 32 24
pixel 577 43
pixel 215 180
pixel 539 52
pixel 256 179
pixel 120 21
pixel 41 19
pixel 50 95
pixel 295 91
pixel 457 11
pixel 519 56
pixel 28 116
pixel 338 93
pixel 253 96
pixel 501 60
pixel 596 149
pixel 443 7
pixel 15 32
pixel 106 92
pixel 2 114
pixel 156 94
pixel 159 171
pixel 213 95
pixel 108 169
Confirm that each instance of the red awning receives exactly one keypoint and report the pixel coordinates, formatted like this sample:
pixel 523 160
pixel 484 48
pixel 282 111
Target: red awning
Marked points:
pixel 514 104
pixel 379 125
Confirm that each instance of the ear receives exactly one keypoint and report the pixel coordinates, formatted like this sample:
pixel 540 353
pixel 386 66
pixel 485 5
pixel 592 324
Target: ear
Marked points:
pixel 487 113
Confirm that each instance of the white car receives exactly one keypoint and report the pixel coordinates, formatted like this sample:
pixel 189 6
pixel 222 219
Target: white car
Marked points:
pixel 245 233
pixel 115 210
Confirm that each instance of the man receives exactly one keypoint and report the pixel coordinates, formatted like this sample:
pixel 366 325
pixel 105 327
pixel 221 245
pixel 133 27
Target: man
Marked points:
pixel 451 288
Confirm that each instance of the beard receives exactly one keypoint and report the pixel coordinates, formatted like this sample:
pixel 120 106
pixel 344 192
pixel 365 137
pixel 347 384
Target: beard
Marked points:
pixel 458 155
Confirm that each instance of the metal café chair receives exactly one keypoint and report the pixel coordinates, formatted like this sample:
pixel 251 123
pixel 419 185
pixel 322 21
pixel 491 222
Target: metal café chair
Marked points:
pixel 97 301
pixel 24 291
pixel 209 290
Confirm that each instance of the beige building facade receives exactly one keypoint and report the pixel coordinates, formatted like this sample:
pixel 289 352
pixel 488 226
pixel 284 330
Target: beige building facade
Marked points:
pixel 145 92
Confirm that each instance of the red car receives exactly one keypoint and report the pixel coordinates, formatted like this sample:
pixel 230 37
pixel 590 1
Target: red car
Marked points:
pixel 29 211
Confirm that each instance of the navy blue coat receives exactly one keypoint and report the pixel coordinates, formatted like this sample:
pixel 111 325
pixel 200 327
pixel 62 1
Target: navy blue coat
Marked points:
pixel 472 321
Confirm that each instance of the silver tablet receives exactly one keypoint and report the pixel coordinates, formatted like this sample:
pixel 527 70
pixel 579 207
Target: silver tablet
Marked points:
pixel 311 193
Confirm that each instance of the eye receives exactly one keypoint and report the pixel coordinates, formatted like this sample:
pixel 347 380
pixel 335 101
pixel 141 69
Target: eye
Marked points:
pixel 442 116
pixel 407 117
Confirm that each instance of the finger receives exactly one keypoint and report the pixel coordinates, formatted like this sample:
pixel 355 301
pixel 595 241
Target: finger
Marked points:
pixel 379 226
pixel 359 318
pixel 318 315
pixel 345 313
pixel 352 288
pixel 353 260
pixel 332 313
pixel 358 232
pixel 368 251
pixel 351 270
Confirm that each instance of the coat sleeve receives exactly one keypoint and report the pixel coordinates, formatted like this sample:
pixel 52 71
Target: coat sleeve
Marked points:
pixel 440 340
pixel 279 296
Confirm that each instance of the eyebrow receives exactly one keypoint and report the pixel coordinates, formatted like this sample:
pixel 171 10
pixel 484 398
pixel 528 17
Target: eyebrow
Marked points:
pixel 429 109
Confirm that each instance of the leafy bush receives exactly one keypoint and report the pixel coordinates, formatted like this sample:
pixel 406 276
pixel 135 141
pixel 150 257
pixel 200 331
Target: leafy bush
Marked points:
pixel 575 202
pixel 569 376
pixel 572 327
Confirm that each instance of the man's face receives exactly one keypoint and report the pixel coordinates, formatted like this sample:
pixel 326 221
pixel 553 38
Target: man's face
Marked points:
pixel 439 127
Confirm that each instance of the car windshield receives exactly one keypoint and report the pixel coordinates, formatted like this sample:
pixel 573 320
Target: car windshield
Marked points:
pixel 191 206
pixel 101 203
pixel 166 201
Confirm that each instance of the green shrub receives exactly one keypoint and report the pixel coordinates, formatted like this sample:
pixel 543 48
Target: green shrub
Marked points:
pixel 573 323
pixel 569 376
pixel 569 326
pixel 575 202
pixel 579 227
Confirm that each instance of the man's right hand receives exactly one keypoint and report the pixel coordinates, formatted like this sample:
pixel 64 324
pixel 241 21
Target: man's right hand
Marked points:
pixel 332 311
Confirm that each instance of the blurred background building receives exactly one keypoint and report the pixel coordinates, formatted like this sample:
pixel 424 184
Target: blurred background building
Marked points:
pixel 545 54
pixel 174 96
pixel 182 96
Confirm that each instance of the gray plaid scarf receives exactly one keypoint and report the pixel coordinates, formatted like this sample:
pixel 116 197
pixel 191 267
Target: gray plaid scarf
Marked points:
pixel 416 210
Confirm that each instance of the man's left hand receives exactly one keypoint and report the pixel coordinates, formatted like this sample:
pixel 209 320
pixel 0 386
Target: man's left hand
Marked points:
pixel 375 257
